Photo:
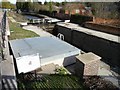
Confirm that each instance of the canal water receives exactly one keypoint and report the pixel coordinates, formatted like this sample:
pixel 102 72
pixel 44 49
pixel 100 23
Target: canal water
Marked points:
pixel 29 17
pixel 46 26
pixel 34 20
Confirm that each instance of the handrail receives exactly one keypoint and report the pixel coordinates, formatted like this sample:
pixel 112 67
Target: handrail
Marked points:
pixel 2 33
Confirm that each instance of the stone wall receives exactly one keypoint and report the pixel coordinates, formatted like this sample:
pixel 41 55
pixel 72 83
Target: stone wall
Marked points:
pixel 108 50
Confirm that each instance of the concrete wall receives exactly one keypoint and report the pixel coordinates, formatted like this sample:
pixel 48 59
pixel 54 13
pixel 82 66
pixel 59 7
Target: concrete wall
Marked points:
pixel 66 32
pixel 108 50
pixel 103 28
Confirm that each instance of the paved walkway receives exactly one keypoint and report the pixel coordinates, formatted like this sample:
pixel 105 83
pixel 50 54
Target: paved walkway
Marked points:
pixel 1 15
pixel 12 19
pixel 37 30
pixel 106 73
pixel 8 75
pixel 8 70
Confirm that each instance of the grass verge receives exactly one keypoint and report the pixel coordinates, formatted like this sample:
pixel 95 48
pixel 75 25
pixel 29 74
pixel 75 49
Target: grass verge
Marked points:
pixel 54 82
pixel 17 17
pixel 18 33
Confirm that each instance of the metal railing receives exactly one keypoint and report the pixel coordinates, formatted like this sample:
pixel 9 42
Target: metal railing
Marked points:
pixel 2 40
pixel 2 34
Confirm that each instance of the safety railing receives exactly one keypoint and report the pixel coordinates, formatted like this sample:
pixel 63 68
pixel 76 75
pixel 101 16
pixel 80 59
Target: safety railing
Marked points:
pixel 2 34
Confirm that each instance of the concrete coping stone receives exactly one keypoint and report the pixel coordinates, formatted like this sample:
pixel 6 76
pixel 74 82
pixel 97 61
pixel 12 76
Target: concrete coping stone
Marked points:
pixel 88 57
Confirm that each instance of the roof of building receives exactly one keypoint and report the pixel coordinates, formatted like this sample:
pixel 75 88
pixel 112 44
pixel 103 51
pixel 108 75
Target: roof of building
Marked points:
pixel 45 46
pixel 74 6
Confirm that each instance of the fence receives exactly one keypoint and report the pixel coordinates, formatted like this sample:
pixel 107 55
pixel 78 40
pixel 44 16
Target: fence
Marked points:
pixel 2 38
pixel 2 34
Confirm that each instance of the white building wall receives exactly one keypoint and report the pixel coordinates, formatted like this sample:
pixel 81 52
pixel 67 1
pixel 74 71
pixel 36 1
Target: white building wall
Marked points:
pixel 28 63
pixel 31 62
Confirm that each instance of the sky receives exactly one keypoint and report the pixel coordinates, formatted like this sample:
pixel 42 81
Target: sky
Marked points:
pixel 14 1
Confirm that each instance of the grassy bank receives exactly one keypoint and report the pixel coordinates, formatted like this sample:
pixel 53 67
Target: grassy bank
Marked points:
pixel 54 82
pixel 18 33
pixel 17 17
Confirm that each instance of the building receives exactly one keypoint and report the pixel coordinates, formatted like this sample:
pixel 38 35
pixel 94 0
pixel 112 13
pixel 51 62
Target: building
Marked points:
pixel 32 53
pixel 77 9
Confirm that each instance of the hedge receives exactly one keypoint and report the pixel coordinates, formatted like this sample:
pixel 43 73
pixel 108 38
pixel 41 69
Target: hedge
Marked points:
pixel 48 13
pixel 80 19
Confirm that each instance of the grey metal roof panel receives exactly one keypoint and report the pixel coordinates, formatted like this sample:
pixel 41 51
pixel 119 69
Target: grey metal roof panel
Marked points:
pixel 45 46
